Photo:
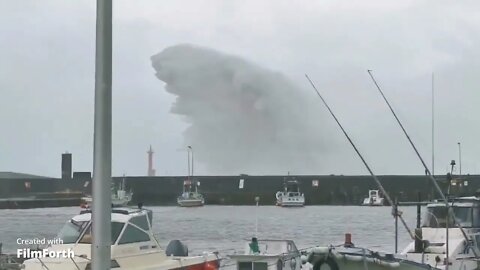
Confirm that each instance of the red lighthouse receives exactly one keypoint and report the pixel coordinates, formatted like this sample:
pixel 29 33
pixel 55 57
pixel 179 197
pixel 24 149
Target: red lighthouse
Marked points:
pixel 151 171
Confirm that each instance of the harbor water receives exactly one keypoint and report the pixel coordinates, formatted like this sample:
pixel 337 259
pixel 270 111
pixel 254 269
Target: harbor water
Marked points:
pixel 226 228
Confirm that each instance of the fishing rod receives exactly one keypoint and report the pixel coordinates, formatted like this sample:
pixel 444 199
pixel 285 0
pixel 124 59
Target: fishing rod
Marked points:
pixel 429 174
pixel 380 186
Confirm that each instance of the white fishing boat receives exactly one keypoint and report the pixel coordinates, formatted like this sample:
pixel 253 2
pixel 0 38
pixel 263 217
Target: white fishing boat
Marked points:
pixel 374 199
pixel 291 195
pixel 120 196
pixel 190 196
pixel 268 255
pixel 133 246
pixel 438 238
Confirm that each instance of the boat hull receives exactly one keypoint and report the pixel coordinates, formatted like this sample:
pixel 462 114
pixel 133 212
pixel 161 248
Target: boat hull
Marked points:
pixel 190 203
pixel 146 262
pixel 352 265
pixel 358 258
pixel 291 204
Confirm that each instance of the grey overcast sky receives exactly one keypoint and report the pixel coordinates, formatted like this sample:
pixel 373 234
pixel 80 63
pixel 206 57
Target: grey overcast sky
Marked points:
pixel 47 53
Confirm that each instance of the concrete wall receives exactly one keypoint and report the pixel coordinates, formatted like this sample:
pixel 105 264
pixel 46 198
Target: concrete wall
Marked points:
pixel 225 189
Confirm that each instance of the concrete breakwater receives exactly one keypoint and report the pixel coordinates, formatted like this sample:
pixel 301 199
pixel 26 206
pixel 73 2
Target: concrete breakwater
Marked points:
pixel 319 190
pixel 228 190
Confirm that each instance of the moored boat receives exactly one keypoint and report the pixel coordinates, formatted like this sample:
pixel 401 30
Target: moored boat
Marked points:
pixel 133 246
pixel 374 199
pixel 190 196
pixel 291 195
pixel 119 195
pixel 268 255
pixel 448 239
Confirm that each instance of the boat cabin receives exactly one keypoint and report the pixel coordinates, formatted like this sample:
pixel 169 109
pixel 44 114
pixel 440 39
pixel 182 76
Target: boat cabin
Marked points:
pixel 465 209
pixel 430 245
pixel 292 188
pixel 133 245
pixel 128 226
pixel 268 255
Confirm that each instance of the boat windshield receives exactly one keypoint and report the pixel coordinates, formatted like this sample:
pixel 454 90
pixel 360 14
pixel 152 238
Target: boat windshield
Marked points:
pixel 436 217
pixel 71 231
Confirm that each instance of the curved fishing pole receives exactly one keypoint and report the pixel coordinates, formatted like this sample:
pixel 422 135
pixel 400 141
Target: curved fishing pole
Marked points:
pixel 439 190
pixel 380 186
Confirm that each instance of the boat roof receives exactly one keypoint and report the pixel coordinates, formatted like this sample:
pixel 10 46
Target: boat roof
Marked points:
pixel 119 214
pixel 457 200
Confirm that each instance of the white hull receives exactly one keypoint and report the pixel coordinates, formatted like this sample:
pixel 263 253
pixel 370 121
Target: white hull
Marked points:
pixel 120 202
pixel 287 199
pixel 268 256
pixel 190 202
pixel 299 203
pixel 134 246
pixel 366 202
pixel 115 202
pixel 152 261
pixel 373 199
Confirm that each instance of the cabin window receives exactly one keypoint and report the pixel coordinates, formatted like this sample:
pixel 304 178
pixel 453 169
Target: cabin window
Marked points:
pixel 133 235
pixel 116 230
pixel 477 240
pixel 252 266
pixel 71 231
pixel 141 222
pixel 436 217
pixel 476 217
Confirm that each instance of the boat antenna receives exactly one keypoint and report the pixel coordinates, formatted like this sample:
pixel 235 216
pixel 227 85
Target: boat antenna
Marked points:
pixel 380 186
pixel 188 162
pixel 433 124
pixel 429 174
pixel 257 199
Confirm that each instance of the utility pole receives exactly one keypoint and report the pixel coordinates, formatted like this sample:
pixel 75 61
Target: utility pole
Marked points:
pixel 102 139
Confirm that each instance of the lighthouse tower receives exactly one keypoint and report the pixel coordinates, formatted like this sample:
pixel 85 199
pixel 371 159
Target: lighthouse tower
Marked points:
pixel 151 170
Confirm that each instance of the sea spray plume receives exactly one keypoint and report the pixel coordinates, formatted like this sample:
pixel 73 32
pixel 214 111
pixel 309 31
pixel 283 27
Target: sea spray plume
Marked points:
pixel 243 118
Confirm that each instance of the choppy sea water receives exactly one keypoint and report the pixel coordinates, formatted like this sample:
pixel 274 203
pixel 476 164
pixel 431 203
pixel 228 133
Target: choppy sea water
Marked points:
pixel 225 228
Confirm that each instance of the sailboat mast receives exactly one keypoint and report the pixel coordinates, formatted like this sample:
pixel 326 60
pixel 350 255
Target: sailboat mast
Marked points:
pixel 102 149
pixel 433 124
